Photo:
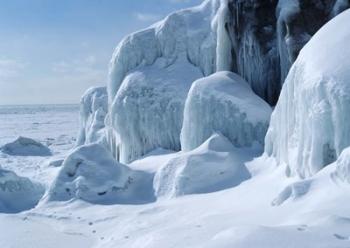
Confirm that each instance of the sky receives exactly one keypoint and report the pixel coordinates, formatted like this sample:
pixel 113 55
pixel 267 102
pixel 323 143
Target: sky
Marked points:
pixel 51 51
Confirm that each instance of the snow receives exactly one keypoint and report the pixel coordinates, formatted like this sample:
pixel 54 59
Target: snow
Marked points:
pixel 213 166
pixel 18 193
pixel 225 103
pixel 151 72
pixel 230 197
pixel 23 146
pixel 91 173
pixel 93 111
pixel 309 124
pixel 343 166
pixel 242 216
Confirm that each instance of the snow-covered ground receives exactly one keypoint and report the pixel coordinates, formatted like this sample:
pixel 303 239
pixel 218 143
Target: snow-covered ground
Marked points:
pixel 219 190
pixel 268 209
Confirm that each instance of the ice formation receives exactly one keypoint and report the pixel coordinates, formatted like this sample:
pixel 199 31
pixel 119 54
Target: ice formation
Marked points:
pixel 268 35
pixel 93 111
pixel 92 174
pixel 150 74
pixel 152 70
pixel 23 146
pixel 224 102
pixel 309 126
pixel 18 193
pixel 213 166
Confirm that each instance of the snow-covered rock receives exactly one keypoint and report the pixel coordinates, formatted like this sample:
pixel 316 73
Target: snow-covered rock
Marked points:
pixel 213 166
pixel 309 126
pixel 18 193
pixel 225 103
pixel 150 74
pixel 93 111
pixel 92 174
pixel 23 146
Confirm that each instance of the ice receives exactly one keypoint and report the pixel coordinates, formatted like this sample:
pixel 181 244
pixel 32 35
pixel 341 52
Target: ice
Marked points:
pixel 309 124
pixel 225 103
pixel 149 108
pixel 93 111
pixel 92 174
pixel 18 193
pixel 23 146
pixel 151 72
pixel 213 166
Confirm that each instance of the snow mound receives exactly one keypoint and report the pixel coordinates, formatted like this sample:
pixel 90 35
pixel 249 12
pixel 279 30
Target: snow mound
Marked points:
pixel 93 111
pixel 213 166
pixel 23 146
pixel 224 102
pixel 92 174
pixel 18 193
pixel 151 72
pixel 309 126
pixel 343 166
pixel 293 191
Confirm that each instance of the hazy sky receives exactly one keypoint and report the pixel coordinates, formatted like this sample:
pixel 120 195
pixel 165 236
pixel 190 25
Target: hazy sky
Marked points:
pixel 52 50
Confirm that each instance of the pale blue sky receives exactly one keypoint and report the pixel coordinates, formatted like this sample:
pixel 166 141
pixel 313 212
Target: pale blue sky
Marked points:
pixel 52 50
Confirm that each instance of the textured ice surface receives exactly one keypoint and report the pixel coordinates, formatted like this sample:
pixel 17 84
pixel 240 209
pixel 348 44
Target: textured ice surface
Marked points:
pixel 150 74
pixel 17 193
pixel 23 146
pixel 149 108
pixel 213 166
pixel 309 126
pixel 91 173
pixel 225 103
pixel 93 111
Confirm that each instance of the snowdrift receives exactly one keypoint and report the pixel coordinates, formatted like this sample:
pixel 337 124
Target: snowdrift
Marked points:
pixel 23 146
pixel 91 173
pixel 225 103
pixel 213 166
pixel 309 126
pixel 18 193
pixel 151 72
pixel 93 111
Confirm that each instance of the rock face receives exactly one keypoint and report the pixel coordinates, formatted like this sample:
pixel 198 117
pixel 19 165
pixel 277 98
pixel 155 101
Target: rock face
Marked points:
pixel 309 126
pixel 267 36
pixel 225 103
pixel 23 146
pixel 93 111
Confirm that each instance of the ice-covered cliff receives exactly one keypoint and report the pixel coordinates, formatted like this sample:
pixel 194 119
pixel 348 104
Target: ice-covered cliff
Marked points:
pixel 150 74
pixel 152 70
pixel 309 126
pixel 267 36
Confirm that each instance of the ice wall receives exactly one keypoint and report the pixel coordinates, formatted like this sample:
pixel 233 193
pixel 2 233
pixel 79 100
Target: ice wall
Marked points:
pixel 151 72
pixel 93 110
pixel 309 126
pixel 225 103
